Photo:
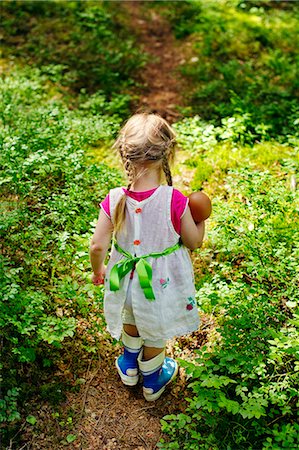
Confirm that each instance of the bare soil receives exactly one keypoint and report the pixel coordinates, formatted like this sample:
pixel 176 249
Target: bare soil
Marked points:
pixel 160 78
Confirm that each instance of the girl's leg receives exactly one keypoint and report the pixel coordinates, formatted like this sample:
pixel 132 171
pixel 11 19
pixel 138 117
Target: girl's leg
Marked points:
pixel 157 370
pixel 131 329
pixel 152 349
pixel 126 364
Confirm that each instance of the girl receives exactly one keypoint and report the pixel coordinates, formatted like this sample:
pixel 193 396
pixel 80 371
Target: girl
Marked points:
pixel 149 283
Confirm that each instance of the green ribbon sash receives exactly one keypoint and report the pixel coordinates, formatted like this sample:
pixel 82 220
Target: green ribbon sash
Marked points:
pixel 143 269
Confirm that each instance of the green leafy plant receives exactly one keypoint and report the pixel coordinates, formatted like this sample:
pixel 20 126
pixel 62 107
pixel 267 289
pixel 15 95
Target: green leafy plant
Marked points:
pixel 244 390
pixel 8 406
pixel 91 48
pixel 213 151
pixel 50 191
pixel 243 61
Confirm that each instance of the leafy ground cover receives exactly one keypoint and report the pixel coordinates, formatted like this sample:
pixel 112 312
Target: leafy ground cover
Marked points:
pixel 244 385
pixel 49 196
pixel 242 367
pixel 242 148
pixel 91 48
pixel 243 59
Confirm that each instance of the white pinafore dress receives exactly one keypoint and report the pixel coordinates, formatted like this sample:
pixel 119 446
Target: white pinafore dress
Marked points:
pixel 148 228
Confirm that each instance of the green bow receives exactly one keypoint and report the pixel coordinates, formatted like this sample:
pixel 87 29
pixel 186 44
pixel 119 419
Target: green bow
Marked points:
pixel 143 269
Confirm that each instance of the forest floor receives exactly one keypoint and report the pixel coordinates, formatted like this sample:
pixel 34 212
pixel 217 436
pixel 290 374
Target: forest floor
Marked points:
pixel 107 414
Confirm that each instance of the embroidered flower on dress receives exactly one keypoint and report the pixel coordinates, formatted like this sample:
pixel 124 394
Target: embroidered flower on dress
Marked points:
pixel 191 303
pixel 164 283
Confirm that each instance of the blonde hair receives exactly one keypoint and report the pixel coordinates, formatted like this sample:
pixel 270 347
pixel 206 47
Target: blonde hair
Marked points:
pixel 146 140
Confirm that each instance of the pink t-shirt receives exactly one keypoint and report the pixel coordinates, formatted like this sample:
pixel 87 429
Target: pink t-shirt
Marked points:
pixel 178 204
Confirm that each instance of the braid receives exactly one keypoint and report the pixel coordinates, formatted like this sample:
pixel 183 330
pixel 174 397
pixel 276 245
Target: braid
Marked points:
pixel 122 151
pixel 120 210
pixel 166 170
pixel 129 168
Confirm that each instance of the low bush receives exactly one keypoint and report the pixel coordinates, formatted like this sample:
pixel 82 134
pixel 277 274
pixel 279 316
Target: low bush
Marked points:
pixel 91 48
pixel 214 150
pixel 244 389
pixel 243 60
pixel 49 193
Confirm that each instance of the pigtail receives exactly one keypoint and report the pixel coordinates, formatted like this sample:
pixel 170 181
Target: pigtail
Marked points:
pixel 119 214
pixel 166 170
pixel 120 209
pixel 131 172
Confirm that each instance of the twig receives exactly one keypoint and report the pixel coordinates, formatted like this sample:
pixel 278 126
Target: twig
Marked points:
pixel 25 445
pixel 122 434
pixel 293 183
pixel 145 407
pixel 11 440
pixel 275 420
pixel 87 388
pixel 107 408
pixel 143 440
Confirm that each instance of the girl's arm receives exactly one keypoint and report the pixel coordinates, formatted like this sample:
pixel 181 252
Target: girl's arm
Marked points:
pixel 99 247
pixel 192 234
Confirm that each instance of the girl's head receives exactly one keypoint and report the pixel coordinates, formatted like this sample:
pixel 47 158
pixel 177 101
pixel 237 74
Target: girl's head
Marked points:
pixel 146 142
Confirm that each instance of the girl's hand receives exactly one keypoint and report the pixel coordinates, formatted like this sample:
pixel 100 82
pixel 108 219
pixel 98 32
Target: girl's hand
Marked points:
pixel 98 278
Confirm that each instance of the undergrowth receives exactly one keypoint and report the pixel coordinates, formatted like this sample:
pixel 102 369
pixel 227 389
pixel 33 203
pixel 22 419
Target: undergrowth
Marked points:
pixel 62 105
pixel 244 386
pixel 243 61
pixel 50 192
pixel 91 48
